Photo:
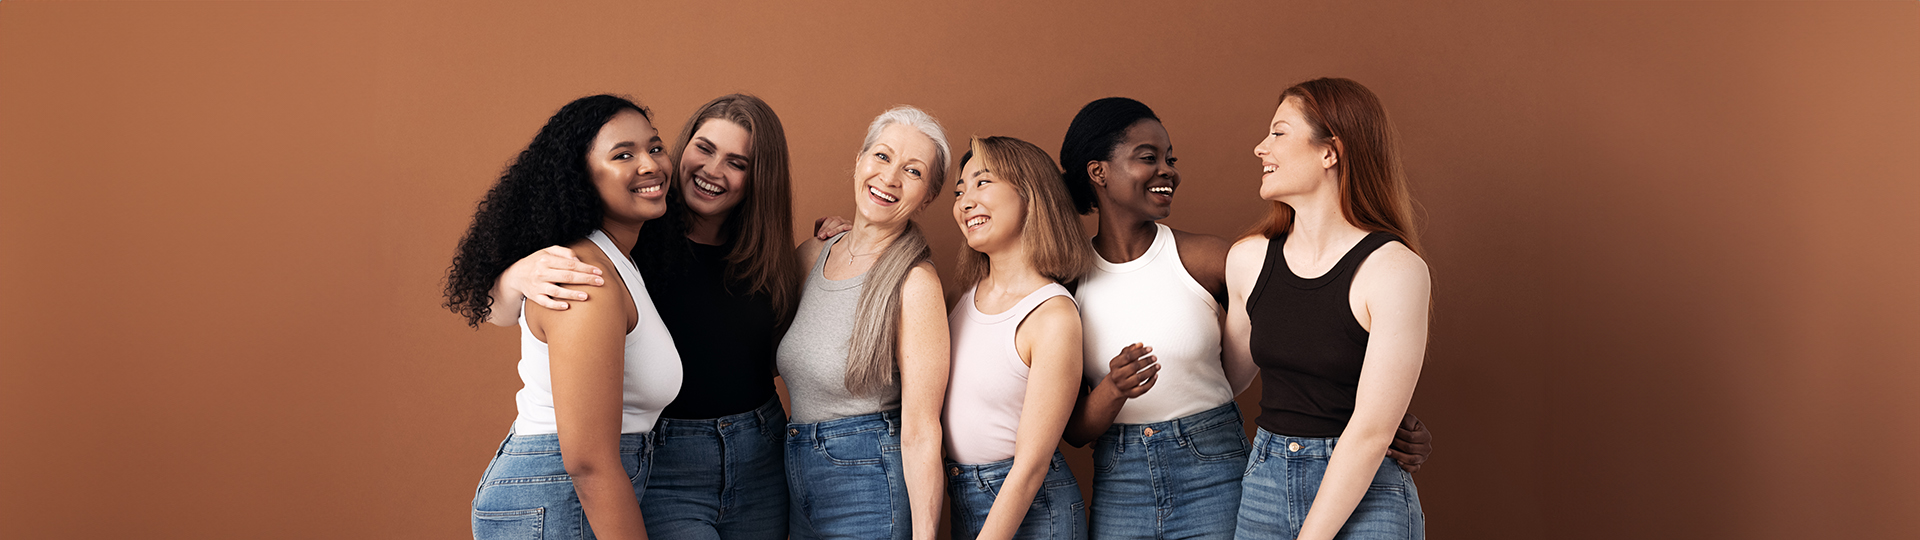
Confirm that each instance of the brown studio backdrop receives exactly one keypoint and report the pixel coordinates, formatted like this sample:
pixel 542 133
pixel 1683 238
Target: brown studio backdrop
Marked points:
pixel 1672 242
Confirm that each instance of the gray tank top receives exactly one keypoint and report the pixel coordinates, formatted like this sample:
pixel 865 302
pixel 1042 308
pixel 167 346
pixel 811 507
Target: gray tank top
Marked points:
pixel 813 355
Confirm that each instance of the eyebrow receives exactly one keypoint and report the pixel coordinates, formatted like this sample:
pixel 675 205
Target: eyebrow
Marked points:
pixel 729 154
pixel 625 144
pixel 1277 124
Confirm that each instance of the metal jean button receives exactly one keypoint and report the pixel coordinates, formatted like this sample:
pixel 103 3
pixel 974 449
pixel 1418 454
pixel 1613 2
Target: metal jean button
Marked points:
pixel 1293 447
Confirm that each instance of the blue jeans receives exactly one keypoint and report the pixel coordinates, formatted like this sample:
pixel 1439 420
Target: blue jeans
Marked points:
pixel 845 480
pixel 719 478
pixel 1057 511
pixel 1173 479
pixel 1284 473
pixel 526 493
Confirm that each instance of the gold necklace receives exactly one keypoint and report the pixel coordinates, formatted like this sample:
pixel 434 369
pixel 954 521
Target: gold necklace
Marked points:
pixel 850 249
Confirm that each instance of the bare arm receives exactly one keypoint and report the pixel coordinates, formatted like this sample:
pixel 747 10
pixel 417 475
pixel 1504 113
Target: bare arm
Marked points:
pixel 538 278
pixel 1243 269
pixel 924 353
pixel 1130 375
pixel 1050 340
pixel 1394 286
pixel 587 351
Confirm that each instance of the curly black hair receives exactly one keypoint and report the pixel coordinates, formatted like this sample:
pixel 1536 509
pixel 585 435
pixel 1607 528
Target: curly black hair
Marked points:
pixel 1091 137
pixel 545 197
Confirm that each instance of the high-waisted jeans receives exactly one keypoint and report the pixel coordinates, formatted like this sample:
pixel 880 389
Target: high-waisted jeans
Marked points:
pixel 1057 511
pixel 1283 476
pixel 526 494
pixel 845 479
pixel 1174 479
pixel 720 478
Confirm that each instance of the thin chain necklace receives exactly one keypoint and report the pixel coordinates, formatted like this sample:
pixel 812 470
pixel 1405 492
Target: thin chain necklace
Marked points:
pixel 850 254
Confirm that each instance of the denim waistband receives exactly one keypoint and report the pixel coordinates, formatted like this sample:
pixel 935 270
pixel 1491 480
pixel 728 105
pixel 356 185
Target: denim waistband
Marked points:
pixel 888 420
pixel 1227 413
pixel 544 443
pixel 1270 443
pixel 753 419
pixel 986 472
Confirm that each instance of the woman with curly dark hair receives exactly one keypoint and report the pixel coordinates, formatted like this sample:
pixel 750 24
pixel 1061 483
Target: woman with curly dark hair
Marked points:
pixel 722 274
pixel 592 176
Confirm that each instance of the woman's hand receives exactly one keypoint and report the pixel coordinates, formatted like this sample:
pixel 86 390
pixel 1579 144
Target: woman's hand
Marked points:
pixel 1131 373
pixel 826 227
pixel 1412 443
pixel 539 277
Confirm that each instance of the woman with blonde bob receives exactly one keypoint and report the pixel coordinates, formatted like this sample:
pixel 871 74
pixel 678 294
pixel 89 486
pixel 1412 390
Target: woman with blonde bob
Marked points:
pixel 865 360
pixel 1016 347
pixel 1330 300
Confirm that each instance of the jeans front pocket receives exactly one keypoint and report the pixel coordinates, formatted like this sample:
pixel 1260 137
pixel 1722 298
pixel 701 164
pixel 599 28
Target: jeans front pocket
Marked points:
pixel 1220 442
pixel 858 448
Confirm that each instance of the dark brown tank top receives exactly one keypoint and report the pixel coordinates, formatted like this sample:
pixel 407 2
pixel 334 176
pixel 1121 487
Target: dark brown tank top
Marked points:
pixel 1307 343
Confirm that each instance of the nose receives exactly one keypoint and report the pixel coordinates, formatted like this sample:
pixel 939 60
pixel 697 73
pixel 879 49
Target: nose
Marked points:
pixel 647 166
pixel 1260 150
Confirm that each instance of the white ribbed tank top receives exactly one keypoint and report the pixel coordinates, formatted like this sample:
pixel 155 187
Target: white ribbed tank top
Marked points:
pixel 1152 300
pixel 652 376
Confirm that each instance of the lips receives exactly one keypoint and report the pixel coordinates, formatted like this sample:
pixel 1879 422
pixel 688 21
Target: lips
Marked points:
pixel 652 189
pixel 882 196
pixel 709 189
pixel 976 222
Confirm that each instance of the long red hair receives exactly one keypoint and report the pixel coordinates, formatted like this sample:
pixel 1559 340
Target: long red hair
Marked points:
pixel 1373 187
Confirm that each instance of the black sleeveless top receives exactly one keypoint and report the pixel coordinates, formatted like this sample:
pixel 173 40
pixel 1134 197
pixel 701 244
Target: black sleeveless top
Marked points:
pixel 1307 343
pixel 725 336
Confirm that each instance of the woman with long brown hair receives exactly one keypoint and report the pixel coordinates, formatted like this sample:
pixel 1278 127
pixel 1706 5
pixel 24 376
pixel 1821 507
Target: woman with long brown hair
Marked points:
pixel 719 267
pixel 1330 299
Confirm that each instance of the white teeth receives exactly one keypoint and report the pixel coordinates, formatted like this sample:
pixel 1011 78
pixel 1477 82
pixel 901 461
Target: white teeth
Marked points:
pixel 707 186
pixel 1267 169
pixel 976 221
pixel 1163 190
pixel 883 196
pixel 649 189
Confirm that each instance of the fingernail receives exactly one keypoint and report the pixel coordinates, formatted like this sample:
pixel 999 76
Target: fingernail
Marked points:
pixel 598 281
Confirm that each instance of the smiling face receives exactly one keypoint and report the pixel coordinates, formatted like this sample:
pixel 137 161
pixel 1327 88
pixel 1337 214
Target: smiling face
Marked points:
pixel 890 180
pixel 991 213
pixel 1291 161
pixel 713 168
pixel 628 164
pixel 1138 176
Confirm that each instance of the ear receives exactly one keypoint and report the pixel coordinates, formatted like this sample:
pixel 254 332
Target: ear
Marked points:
pixel 1097 171
pixel 1331 156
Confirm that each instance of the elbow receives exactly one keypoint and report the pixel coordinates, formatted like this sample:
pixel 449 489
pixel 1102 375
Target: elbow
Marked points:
pixel 581 469
pixel 918 436
pixel 1077 439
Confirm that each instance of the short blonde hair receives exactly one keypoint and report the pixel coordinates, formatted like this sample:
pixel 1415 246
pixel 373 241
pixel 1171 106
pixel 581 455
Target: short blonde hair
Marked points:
pixel 1052 228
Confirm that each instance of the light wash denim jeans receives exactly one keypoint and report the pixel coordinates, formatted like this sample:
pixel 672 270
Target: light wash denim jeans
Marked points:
pixel 1173 479
pixel 526 493
pixel 721 478
pixel 1057 511
pixel 845 480
pixel 1283 476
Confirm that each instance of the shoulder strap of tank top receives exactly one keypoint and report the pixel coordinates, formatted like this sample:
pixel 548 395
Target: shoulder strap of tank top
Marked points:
pixel 1274 257
pixel 820 263
pixel 1361 251
pixel 1037 297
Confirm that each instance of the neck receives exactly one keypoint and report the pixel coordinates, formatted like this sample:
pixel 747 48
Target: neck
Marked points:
pixel 1009 271
pixel 1123 237
pixel 705 229
pixel 868 237
pixel 1318 223
pixel 624 235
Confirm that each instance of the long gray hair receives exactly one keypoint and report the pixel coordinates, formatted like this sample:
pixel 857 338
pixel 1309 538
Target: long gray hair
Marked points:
pixel 872 350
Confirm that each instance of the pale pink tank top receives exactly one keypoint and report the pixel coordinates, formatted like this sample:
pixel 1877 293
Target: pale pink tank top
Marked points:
pixel 988 383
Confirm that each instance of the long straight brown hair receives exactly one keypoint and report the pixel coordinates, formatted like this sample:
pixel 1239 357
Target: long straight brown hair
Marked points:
pixel 1373 186
pixel 761 227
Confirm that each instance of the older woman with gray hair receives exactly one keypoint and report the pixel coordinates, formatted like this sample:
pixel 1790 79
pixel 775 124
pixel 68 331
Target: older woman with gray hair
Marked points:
pixel 865 360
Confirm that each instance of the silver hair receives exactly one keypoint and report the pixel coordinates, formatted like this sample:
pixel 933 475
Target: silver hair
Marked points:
pixel 911 116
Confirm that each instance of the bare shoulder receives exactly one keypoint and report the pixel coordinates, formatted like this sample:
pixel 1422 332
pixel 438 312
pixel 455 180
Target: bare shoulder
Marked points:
pixel 1055 315
pixel 922 283
pixel 1201 247
pixel 1394 268
pixel 1249 251
pixel 808 253
pixel 605 302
